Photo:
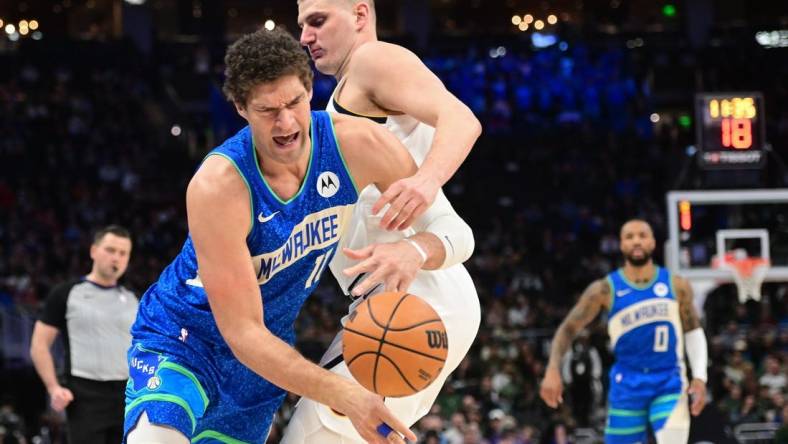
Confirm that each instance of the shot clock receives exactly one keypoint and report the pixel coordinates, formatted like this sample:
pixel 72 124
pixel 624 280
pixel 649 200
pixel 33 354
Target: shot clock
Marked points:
pixel 730 130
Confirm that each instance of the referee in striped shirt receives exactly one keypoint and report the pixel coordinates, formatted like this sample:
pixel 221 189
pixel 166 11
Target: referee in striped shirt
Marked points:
pixel 94 315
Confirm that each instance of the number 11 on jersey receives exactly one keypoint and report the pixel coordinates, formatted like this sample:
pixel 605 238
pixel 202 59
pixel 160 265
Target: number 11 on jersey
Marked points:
pixel 320 265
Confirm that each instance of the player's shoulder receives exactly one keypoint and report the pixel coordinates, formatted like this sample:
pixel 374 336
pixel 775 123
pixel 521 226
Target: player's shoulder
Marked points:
pixel 374 50
pixel 680 284
pixel 377 57
pixel 601 286
pixel 355 136
pixel 351 131
pixel 598 292
pixel 216 177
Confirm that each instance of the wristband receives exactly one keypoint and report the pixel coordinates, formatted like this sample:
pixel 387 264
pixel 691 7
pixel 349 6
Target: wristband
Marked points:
pixel 418 248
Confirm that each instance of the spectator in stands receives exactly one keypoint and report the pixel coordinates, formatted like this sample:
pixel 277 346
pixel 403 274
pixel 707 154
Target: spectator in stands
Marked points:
pixel 774 377
pixel 94 314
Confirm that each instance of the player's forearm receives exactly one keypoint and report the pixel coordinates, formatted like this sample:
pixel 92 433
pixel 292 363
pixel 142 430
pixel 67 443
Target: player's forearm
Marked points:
pixel 280 364
pixel 450 230
pixel 455 133
pixel 44 364
pixel 561 342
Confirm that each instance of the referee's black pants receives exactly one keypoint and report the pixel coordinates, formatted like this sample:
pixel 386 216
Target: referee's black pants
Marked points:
pixel 95 416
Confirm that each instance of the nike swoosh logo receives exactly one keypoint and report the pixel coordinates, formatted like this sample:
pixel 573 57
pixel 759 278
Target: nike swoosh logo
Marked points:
pixel 265 219
pixel 623 292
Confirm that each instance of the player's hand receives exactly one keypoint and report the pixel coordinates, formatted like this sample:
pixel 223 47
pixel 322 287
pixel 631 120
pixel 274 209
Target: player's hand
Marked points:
pixel 394 264
pixel 61 397
pixel 552 388
pixel 697 391
pixel 366 411
pixel 409 198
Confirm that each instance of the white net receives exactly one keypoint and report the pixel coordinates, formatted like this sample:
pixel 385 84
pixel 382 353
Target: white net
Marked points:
pixel 748 273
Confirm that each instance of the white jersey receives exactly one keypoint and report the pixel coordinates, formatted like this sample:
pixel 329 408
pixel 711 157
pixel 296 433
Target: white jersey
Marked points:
pixel 450 291
pixel 364 228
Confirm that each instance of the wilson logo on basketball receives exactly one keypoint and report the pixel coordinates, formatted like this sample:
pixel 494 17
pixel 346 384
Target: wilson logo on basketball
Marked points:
pixel 437 339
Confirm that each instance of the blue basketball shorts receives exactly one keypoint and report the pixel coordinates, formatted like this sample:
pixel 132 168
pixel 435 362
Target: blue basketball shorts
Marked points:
pixel 638 398
pixel 225 404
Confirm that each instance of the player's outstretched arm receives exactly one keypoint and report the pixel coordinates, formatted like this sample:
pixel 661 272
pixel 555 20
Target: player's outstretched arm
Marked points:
pixel 695 344
pixel 592 301
pixel 219 215
pixel 397 81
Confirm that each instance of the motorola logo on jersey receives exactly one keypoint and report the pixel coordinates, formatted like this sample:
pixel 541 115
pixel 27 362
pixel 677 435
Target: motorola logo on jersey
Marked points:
pixel 661 289
pixel 327 184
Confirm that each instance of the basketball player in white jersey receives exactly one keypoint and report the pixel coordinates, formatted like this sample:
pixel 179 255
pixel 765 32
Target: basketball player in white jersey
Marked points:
pixel 651 320
pixel 390 85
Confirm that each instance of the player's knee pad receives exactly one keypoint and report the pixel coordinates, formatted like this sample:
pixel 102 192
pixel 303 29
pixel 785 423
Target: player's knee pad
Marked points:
pixel 146 433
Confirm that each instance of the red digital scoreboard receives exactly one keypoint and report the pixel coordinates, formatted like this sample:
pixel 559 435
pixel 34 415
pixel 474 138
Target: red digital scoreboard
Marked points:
pixel 730 130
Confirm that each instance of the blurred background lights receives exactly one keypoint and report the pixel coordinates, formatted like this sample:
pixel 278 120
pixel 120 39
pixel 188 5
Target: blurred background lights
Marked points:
pixel 497 52
pixel 552 19
pixel 516 20
pixel 523 26
pixel 33 25
pixel 528 18
pixel 175 130
pixel 538 24
pixel 654 117
pixel 270 25
pixel 10 29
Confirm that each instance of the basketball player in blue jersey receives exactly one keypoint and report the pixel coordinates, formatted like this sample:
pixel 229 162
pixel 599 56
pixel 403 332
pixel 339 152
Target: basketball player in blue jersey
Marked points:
pixel 211 355
pixel 651 320
pixel 389 85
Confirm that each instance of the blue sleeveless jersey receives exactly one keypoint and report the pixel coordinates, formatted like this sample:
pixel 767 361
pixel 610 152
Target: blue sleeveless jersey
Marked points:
pixel 644 323
pixel 291 243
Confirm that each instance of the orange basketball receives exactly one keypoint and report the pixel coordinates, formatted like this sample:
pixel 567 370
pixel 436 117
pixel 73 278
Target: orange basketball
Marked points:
pixel 395 344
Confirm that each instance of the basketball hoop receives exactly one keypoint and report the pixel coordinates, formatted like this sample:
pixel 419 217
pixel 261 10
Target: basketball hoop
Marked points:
pixel 748 272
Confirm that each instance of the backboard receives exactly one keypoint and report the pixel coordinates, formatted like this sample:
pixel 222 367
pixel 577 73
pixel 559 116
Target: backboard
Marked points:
pixel 707 223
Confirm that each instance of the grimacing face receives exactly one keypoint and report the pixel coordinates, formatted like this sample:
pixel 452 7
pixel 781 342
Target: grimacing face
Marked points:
pixel 111 256
pixel 327 31
pixel 637 242
pixel 278 114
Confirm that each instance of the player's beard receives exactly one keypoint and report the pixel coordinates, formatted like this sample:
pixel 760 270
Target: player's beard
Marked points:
pixel 639 261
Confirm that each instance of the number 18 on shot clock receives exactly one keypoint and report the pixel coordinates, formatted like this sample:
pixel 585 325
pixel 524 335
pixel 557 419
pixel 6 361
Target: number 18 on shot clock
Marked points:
pixel 730 130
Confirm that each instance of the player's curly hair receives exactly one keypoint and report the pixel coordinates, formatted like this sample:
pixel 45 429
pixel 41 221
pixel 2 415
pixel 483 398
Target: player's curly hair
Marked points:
pixel 261 57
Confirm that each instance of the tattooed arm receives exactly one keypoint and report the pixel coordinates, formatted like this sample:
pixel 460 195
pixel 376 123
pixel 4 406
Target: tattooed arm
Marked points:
pixel 695 340
pixel 689 317
pixel 594 298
